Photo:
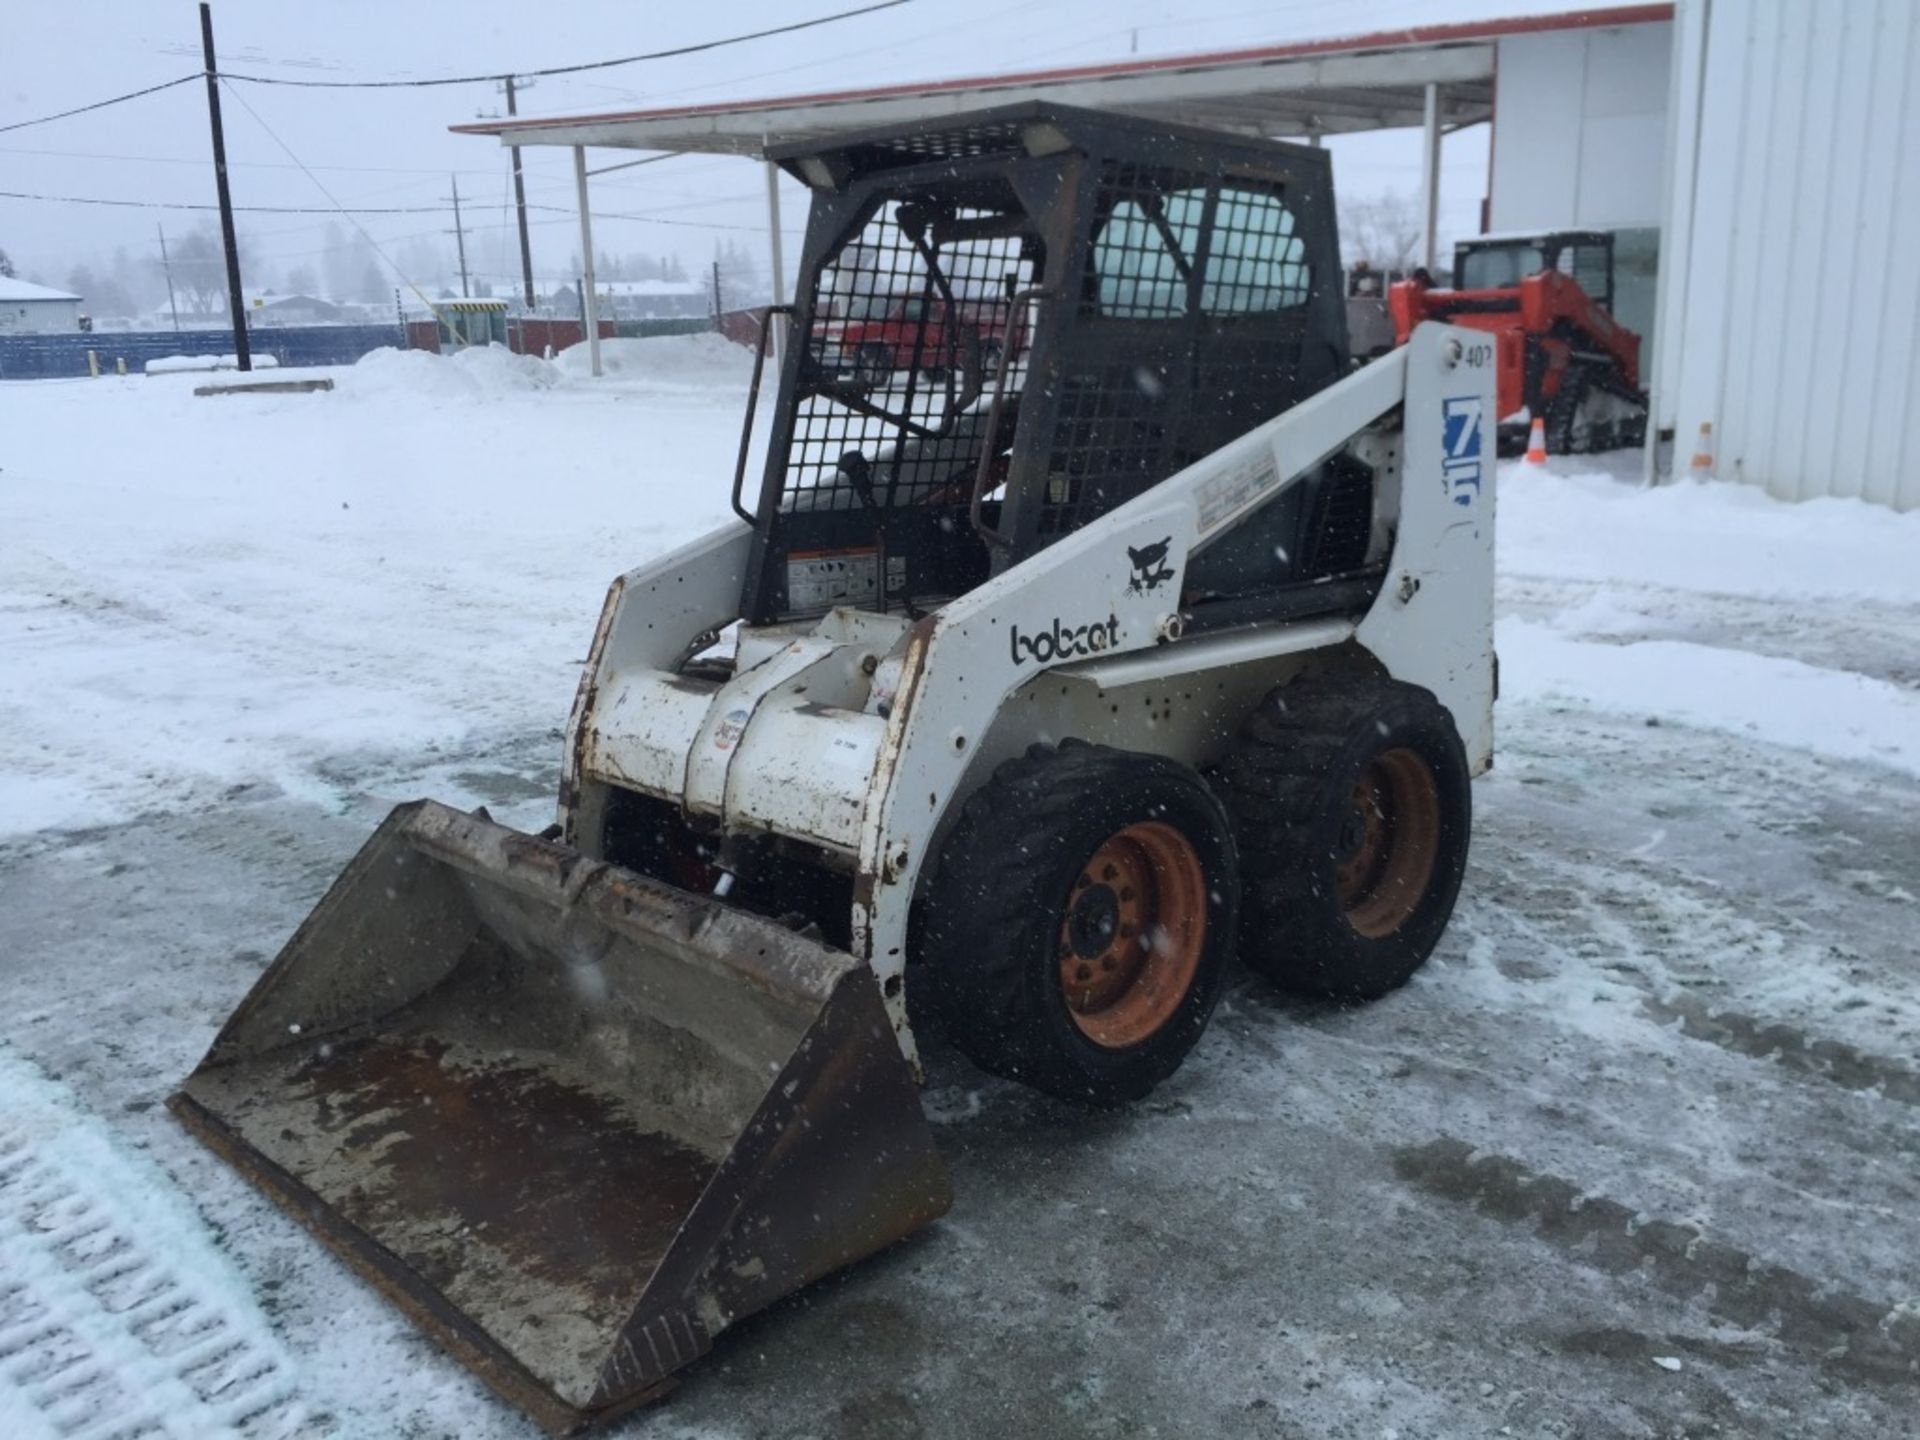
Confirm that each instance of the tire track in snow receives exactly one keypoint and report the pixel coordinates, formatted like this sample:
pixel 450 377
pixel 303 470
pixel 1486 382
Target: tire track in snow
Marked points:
pixel 110 1326
pixel 1788 1047
pixel 1865 1338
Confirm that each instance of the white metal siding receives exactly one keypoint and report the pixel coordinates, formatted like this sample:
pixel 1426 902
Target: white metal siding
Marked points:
pixel 39 317
pixel 1793 308
pixel 1579 123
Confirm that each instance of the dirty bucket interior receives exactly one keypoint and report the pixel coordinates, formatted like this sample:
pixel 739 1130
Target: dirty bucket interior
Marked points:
pixel 551 1107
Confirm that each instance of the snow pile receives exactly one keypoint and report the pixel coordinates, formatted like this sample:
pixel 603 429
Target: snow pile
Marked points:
pixel 694 360
pixel 703 362
pixel 496 370
pixel 416 374
pixel 1602 525
pixel 481 373
pixel 1773 698
pixel 1710 605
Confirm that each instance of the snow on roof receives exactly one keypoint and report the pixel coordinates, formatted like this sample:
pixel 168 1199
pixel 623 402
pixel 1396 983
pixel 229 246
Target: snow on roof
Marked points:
pixel 27 290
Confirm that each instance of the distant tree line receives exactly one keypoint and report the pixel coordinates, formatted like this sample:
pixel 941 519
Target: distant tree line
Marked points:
pixel 346 268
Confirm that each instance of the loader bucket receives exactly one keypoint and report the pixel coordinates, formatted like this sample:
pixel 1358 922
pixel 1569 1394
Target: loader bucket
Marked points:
pixel 572 1120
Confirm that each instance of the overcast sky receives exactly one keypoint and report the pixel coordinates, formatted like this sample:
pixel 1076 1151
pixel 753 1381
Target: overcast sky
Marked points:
pixel 391 148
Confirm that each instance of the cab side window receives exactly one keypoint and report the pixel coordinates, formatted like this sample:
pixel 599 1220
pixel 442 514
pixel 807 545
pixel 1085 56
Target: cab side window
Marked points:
pixel 1256 258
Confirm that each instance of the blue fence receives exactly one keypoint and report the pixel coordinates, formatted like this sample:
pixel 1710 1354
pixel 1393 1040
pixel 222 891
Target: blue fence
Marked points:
pixel 44 357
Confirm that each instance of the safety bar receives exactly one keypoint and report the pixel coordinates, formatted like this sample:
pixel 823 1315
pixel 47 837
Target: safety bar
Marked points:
pixel 753 404
pixel 983 473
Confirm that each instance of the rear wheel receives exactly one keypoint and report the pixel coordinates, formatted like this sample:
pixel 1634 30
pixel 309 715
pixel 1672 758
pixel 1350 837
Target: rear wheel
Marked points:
pixel 1078 924
pixel 1352 807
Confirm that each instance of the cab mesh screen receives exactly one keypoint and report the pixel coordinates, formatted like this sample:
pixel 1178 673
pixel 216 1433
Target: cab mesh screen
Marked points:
pixel 1188 332
pixel 910 323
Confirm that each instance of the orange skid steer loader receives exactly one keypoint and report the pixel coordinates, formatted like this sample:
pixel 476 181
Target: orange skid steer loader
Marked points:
pixel 1563 359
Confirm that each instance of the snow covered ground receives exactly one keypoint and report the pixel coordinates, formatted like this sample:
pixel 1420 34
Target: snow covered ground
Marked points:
pixel 1638 1154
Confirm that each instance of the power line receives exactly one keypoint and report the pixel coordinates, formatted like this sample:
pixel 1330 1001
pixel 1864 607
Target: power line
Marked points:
pixel 103 104
pixel 566 69
pixel 839 58
pixel 231 164
pixel 319 185
pixel 238 209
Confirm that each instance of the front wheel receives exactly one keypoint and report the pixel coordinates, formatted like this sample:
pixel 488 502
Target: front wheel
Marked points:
pixel 1079 921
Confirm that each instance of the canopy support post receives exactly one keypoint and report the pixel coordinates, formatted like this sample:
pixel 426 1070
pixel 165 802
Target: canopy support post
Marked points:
pixel 589 294
pixel 1430 180
pixel 774 256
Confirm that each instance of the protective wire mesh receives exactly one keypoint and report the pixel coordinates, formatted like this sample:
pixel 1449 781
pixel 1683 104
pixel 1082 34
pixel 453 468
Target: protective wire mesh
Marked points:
pixel 910 325
pixel 1189 333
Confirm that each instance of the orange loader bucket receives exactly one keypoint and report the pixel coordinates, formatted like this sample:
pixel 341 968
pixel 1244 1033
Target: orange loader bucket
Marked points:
pixel 573 1121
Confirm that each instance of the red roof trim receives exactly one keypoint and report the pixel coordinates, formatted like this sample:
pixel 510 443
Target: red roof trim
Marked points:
pixel 1411 37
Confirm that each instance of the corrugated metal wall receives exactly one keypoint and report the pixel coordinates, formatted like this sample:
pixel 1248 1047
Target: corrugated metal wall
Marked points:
pixel 1580 129
pixel 1790 313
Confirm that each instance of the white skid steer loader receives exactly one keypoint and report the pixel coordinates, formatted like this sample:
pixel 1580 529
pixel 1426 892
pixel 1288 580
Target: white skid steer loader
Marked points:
pixel 1094 619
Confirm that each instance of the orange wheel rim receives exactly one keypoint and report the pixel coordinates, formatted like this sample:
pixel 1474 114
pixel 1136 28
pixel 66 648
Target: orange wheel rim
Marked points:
pixel 1133 933
pixel 1389 844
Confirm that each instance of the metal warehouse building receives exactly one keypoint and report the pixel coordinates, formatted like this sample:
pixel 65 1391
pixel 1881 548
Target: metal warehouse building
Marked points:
pixel 1790 302
pixel 1755 159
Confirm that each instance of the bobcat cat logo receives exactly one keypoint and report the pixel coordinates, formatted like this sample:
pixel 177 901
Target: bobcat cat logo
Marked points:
pixel 1150 568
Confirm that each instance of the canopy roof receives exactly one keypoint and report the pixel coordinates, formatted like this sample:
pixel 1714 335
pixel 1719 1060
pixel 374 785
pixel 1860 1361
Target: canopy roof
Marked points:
pixel 1310 88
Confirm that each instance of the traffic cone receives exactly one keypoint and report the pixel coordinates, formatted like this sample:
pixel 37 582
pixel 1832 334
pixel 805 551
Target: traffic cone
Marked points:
pixel 1537 443
pixel 1701 465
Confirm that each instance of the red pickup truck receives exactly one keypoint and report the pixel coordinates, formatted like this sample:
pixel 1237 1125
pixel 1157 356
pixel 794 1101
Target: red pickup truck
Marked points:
pixel 913 333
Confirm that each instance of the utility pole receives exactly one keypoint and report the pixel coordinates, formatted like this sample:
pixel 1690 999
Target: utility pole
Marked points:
pixel 717 310
pixel 459 235
pixel 520 205
pixel 166 265
pixel 236 306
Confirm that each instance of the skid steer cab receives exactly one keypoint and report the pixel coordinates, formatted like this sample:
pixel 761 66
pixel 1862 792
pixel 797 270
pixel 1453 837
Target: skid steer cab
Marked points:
pixel 1033 682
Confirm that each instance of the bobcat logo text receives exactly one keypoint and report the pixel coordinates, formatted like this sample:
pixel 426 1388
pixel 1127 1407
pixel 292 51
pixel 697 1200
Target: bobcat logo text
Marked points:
pixel 1060 641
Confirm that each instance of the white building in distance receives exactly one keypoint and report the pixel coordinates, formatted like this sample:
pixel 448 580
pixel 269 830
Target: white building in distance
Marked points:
pixel 29 309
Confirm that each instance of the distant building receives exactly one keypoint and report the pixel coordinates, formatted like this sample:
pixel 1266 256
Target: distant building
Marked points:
pixel 300 310
pixel 29 309
pixel 639 300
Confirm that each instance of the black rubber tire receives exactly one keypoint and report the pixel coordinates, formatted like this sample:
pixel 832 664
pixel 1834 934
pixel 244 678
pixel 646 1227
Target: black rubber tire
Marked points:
pixel 1289 782
pixel 989 920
